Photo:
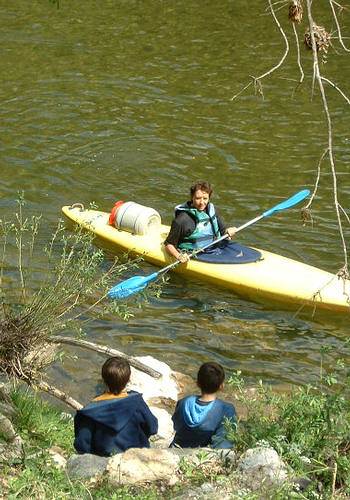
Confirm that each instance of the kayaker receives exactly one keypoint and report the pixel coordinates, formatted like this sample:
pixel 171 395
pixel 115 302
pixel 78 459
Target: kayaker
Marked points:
pixel 196 224
pixel 200 420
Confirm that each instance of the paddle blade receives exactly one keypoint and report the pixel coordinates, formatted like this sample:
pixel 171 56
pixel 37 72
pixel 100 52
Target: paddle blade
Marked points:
pixel 130 286
pixel 293 200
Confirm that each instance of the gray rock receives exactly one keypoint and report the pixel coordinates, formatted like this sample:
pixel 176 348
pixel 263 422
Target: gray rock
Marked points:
pixel 262 467
pixel 165 386
pixel 5 389
pixel 140 465
pixel 86 466
pixel 11 447
pixel 6 429
pixel 165 432
pixel 207 491
pixel 7 409
pixel 207 488
pixel 58 460
pixel 301 483
pixel 13 450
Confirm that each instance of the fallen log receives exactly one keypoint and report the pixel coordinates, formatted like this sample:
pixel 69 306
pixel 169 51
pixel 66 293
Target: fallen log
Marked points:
pixel 58 339
pixel 57 393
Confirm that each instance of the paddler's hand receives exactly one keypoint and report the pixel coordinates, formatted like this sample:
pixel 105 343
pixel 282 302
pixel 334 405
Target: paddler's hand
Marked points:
pixel 231 231
pixel 183 257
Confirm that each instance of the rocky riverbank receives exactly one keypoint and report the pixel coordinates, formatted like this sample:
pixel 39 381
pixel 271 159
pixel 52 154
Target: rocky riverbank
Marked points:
pixel 190 473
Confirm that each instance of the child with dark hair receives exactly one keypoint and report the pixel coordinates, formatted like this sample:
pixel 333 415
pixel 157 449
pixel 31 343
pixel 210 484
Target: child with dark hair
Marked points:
pixel 196 224
pixel 116 420
pixel 199 421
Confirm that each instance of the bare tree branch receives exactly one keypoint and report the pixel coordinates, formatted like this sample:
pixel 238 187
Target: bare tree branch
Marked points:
pixel 346 215
pixel 336 88
pixel 106 350
pixel 256 80
pixel 286 49
pixel 317 179
pixel 298 55
pixel 330 132
pixel 338 26
pixel 50 389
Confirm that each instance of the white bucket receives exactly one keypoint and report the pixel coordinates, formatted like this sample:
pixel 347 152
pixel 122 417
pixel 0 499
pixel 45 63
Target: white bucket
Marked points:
pixel 137 219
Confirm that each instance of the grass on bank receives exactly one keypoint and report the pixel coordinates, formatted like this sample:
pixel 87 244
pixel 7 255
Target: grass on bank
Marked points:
pixel 309 428
pixel 43 426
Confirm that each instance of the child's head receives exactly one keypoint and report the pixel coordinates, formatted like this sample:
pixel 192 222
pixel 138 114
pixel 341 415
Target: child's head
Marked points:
pixel 116 374
pixel 210 378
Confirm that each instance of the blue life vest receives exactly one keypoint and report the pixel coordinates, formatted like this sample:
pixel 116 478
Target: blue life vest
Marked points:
pixel 206 230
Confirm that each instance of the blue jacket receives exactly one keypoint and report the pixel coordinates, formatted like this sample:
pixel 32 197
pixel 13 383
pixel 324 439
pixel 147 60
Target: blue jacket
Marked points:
pixel 110 426
pixel 199 424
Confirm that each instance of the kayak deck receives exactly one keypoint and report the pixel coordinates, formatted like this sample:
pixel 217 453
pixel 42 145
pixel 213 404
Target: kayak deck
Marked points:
pixel 274 277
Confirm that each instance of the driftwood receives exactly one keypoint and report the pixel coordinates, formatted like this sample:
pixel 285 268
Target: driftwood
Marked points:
pixel 106 350
pixel 50 389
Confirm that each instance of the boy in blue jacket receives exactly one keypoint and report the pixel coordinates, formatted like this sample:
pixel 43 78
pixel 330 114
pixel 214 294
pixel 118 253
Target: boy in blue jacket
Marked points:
pixel 199 420
pixel 117 420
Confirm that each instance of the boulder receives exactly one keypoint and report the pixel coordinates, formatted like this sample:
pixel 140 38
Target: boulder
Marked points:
pixel 143 465
pixel 7 432
pixel 205 492
pixel 11 447
pixel 166 386
pixel 165 429
pixel 7 409
pixel 86 466
pixel 5 389
pixel 262 467
pixel 12 450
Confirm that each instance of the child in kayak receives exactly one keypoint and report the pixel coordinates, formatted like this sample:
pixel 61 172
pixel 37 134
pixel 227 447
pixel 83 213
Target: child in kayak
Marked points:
pixel 199 421
pixel 196 224
pixel 116 420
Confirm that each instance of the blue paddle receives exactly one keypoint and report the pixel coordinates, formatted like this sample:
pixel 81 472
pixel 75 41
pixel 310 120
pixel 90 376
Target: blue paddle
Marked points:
pixel 138 283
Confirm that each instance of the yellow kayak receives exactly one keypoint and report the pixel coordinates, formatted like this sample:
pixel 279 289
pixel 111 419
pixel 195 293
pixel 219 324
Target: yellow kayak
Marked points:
pixel 273 277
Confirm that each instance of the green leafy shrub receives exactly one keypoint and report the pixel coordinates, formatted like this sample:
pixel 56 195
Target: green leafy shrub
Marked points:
pixel 47 288
pixel 309 426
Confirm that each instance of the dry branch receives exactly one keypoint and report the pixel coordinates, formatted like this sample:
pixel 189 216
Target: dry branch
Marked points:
pixel 336 88
pixel 330 132
pixel 338 26
pixel 106 350
pixel 317 179
pixel 50 389
pixel 298 55
pixel 256 80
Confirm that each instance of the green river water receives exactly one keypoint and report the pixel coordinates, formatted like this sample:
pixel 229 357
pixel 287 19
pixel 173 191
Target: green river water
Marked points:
pixel 107 100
